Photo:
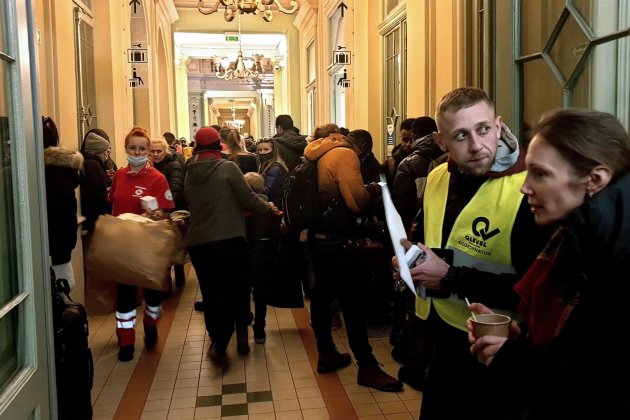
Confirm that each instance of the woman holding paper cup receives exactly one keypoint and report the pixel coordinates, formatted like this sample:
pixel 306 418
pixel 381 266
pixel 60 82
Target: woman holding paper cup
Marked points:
pixel 568 358
pixel 130 184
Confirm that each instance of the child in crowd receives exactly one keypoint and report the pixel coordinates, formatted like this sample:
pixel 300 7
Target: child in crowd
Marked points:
pixel 262 234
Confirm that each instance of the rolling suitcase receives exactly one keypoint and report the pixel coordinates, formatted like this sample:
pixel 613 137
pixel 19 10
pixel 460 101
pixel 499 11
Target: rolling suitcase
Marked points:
pixel 73 357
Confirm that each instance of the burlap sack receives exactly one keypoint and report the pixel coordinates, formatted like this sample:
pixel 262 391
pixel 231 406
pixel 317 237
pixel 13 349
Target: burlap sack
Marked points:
pixel 134 253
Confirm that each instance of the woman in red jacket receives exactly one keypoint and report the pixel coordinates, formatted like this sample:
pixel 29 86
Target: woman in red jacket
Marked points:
pixel 131 183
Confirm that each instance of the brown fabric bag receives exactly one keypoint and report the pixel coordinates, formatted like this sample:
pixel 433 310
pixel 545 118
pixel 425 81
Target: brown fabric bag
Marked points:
pixel 134 253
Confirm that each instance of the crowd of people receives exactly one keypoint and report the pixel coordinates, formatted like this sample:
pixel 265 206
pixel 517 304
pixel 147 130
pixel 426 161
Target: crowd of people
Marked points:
pixel 535 233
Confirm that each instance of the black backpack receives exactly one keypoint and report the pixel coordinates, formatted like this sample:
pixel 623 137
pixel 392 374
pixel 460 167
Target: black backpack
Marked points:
pixel 300 200
pixel 73 358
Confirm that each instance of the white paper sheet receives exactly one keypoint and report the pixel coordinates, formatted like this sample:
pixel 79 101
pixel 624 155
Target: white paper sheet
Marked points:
pixel 397 232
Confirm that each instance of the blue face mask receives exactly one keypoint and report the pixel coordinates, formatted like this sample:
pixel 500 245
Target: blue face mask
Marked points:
pixel 137 160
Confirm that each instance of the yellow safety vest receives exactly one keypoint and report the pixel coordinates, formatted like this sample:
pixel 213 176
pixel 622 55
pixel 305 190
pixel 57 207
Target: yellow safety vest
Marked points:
pixel 480 237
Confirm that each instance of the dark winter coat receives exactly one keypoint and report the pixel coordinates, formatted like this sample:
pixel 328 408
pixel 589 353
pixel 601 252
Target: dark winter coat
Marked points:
pixel 411 169
pixel 262 226
pixel 273 184
pixel 218 197
pixel 172 170
pixel 247 163
pixel 370 169
pixel 291 147
pixel 62 178
pixel 583 373
pixel 179 156
pixel 390 166
pixel 94 182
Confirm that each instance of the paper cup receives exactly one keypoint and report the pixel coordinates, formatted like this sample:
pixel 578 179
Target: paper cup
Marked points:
pixel 491 324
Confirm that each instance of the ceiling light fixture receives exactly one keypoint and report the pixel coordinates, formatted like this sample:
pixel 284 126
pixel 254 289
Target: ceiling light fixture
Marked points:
pixel 243 69
pixel 248 6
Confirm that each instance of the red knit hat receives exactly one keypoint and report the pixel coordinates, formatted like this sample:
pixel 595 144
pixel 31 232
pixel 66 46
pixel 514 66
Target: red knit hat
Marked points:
pixel 207 138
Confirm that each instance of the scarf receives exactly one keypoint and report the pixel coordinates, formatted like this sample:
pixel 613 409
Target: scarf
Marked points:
pixel 208 154
pixel 547 299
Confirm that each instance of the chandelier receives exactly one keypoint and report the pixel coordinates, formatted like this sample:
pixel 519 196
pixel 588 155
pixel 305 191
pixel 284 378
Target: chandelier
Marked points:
pixel 248 6
pixel 243 69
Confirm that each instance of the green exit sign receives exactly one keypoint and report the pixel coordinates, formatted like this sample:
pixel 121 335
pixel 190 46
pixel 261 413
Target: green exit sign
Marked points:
pixel 231 38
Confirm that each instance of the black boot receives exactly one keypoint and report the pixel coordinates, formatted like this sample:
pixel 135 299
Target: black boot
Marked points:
pixel 259 333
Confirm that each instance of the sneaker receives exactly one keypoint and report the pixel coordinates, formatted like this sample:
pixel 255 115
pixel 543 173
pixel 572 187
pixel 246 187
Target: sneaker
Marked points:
pixel 412 376
pixel 150 331
pixel 373 376
pixel 259 334
pixel 199 306
pixel 331 362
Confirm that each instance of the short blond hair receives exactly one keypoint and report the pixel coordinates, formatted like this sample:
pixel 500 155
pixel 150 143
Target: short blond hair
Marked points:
pixel 460 98
pixel 161 142
pixel 255 181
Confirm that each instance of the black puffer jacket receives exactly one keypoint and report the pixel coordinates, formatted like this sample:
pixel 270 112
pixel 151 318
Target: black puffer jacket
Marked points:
pixel 62 178
pixel 174 174
pixel 94 182
pixel 413 167
pixel 390 166
pixel 291 147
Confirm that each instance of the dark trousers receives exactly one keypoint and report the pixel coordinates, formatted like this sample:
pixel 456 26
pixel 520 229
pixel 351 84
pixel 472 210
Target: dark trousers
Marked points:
pixel 336 275
pixel 127 297
pixel 179 273
pixel 261 269
pixel 293 254
pixel 456 385
pixel 221 269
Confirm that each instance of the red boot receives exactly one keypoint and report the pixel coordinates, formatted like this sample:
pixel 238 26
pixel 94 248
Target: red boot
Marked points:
pixel 150 331
pixel 149 320
pixel 126 340
pixel 126 333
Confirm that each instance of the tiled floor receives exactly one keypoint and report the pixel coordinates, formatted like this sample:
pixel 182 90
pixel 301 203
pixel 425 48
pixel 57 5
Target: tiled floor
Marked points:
pixel 277 380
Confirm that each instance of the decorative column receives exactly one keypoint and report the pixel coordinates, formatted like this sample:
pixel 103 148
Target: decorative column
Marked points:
pixel 181 97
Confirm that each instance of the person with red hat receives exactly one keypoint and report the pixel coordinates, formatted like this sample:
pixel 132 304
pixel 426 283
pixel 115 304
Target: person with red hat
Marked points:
pixel 218 195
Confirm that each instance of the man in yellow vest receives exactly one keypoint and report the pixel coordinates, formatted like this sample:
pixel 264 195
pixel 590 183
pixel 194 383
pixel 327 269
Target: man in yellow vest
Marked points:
pixel 474 217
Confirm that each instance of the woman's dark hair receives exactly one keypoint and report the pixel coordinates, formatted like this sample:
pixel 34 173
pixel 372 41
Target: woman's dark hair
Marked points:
pixel 586 138
pixel 276 159
pixel 51 135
